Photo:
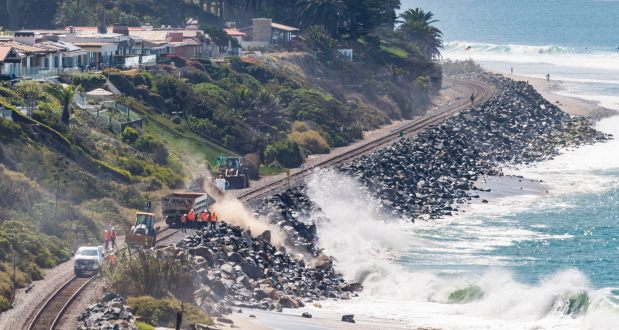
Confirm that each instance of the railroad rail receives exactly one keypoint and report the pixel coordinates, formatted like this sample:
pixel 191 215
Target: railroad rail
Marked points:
pixel 49 315
pixel 481 91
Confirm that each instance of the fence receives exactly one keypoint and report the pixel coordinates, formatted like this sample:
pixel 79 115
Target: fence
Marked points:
pixel 110 115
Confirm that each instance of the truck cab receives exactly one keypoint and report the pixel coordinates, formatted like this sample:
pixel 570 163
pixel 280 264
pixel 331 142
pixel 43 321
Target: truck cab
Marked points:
pixel 88 260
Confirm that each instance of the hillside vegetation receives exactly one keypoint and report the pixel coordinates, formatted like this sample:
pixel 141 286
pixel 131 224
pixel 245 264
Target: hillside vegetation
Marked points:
pixel 64 175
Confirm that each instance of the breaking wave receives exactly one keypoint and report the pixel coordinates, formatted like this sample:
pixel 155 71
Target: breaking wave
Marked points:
pixel 369 247
pixel 603 59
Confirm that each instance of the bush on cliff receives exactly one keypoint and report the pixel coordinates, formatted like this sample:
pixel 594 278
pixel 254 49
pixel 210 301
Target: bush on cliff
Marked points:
pixel 310 141
pixel 144 273
pixel 88 81
pixel 286 152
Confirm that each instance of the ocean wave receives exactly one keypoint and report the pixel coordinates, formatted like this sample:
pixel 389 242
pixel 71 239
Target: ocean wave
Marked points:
pixel 472 47
pixel 363 242
pixel 599 59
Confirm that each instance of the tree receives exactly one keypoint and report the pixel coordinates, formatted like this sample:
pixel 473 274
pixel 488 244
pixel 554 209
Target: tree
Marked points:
pixel 328 13
pixel 65 97
pixel 416 26
pixel 317 39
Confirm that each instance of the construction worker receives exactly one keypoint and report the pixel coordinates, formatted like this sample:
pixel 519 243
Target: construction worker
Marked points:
pixel 106 239
pixel 113 238
pixel 204 218
pixel 213 220
pixel 184 223
pixel 191 217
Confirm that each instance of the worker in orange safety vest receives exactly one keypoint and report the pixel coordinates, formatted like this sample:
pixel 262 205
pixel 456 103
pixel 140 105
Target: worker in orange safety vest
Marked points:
pixel 204 218
pixel 191 217
pixel 106 238
pixel 213 220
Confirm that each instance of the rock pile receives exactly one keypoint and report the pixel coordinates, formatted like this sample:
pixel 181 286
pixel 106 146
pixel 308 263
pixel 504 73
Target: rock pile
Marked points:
pixel 109 313
pixel 232 268
pixel 429 175
pixel 424 176
pixel 291 210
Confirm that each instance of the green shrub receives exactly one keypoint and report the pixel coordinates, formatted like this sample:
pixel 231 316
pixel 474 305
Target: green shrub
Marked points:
pixel 311 141
pixel 162 312
pixel 144 326
pixel 148 144
pixel 130 135
pixel 5 304
pixel 286 152
pixel 88 81
pixel 146 273
pixel 10 130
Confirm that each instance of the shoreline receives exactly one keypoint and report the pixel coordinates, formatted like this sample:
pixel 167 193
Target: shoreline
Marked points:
pixel 569 104
pixel 501 187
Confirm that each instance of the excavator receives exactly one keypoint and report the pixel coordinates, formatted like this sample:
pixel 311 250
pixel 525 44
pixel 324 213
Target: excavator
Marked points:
pixel 143 233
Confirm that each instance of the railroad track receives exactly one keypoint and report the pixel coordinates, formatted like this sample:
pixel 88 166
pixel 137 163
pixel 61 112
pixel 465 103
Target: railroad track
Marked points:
pixel 49 315
pixel 482 92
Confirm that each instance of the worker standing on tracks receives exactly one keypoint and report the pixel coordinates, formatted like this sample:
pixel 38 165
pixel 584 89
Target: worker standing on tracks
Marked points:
pixel 213 220
pixel 106 239
pixel 113 238
pixel 191 217
pixel 184 223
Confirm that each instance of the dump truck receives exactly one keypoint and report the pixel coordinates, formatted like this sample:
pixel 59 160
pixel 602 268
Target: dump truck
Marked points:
pixel 143 233
pixel 173 206
pixel 234 171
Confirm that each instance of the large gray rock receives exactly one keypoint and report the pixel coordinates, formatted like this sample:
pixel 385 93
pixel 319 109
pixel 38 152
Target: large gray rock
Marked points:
pixel 251 269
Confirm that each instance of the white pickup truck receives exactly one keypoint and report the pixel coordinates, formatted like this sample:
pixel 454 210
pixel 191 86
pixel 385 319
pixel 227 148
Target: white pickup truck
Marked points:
pixel 88 260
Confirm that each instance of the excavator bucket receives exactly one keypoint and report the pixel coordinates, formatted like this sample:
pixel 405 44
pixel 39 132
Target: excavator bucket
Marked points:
pixel 139 241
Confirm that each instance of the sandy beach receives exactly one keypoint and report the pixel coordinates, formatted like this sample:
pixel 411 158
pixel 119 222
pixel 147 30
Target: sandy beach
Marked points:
pixel 571 105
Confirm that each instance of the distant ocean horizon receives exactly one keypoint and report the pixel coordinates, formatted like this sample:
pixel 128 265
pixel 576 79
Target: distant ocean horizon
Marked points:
pixel 575 41
pixel 546 261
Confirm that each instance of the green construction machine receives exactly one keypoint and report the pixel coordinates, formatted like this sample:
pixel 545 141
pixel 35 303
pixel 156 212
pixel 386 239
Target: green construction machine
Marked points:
pixel 234 171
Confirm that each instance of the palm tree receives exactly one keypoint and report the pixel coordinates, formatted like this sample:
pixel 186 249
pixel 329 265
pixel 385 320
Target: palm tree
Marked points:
pixel 416 26
pixel 327 13
pixel 64 95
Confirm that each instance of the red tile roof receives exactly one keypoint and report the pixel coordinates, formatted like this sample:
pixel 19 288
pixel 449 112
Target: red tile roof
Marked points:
pixel 4 52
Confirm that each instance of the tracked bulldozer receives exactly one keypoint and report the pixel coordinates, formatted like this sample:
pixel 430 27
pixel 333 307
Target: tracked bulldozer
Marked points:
pixel 143 233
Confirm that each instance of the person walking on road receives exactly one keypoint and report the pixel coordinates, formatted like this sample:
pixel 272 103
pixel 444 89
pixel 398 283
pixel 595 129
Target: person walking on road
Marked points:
pixel 213 220
pixel 184 223
pixel 106 239
pixel 472 98
pixel 113 238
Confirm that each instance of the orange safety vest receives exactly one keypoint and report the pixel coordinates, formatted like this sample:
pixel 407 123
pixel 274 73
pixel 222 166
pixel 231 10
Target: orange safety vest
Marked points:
pixel 113 234
pixel 191 216
pixel 204 216
pixel 213 217
pixel 106 235
pixel 183 219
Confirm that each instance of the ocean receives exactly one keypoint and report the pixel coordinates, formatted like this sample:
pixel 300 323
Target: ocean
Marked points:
pixel 532 260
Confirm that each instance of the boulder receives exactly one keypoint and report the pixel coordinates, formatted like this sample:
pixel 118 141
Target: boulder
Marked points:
pixel 251 269
pixel 348 318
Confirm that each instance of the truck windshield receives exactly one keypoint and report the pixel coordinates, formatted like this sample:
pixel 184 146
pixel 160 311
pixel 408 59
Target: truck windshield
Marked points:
pixel 87 253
